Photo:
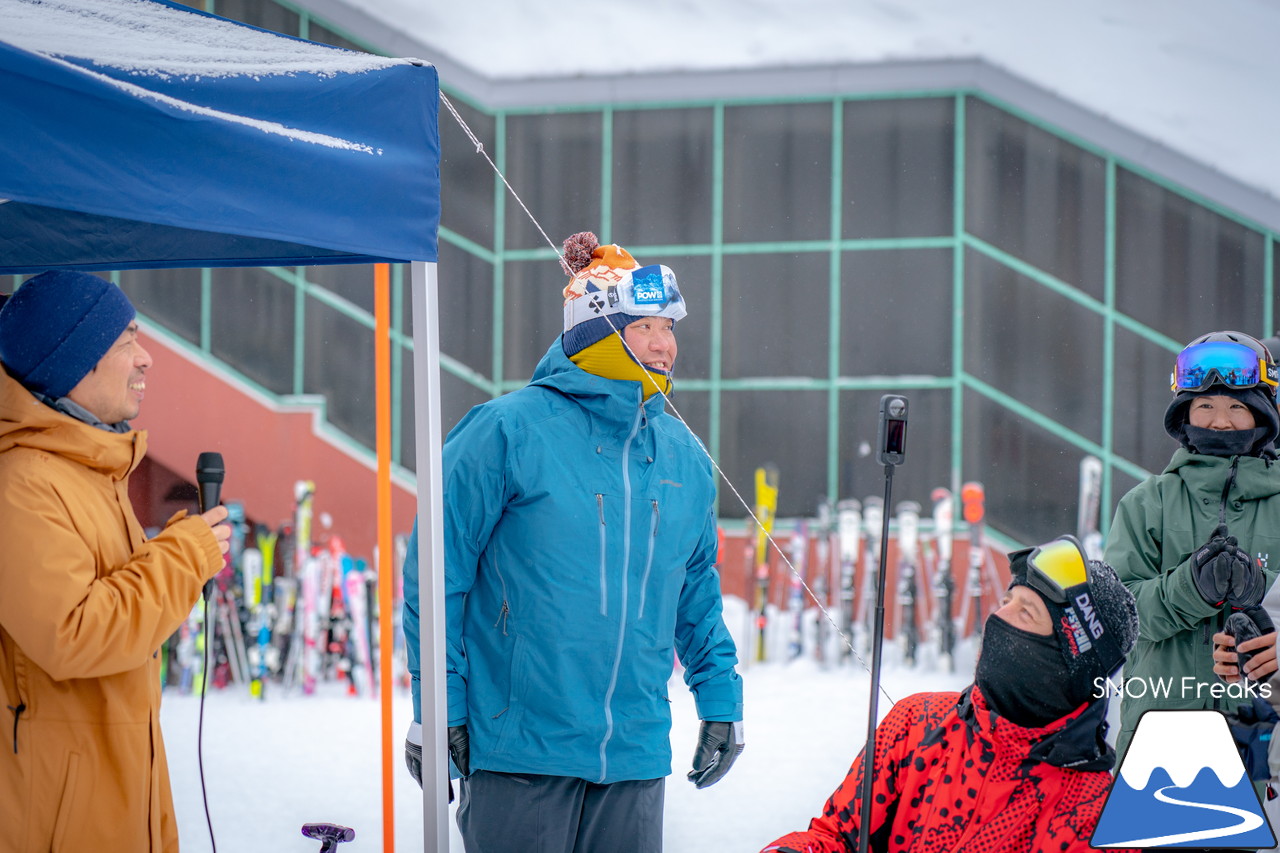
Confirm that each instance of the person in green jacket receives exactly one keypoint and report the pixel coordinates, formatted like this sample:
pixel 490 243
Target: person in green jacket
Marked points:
pixel 1195 542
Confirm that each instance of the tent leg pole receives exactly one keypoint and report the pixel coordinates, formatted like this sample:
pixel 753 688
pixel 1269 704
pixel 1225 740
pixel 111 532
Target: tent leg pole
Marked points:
pixel 429 439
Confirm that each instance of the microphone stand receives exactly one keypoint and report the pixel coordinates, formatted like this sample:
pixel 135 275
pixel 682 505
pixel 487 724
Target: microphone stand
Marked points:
pixel 868 753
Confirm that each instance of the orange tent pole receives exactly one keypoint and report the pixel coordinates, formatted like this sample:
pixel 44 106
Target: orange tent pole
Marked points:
pixel 382 405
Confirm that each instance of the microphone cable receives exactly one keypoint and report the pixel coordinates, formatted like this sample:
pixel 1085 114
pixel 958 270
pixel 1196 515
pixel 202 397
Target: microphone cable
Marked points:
pixel 210 473
pixel 204 684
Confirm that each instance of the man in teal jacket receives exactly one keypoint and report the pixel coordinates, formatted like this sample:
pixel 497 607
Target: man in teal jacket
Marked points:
pixel 1201 539
pixel 580 549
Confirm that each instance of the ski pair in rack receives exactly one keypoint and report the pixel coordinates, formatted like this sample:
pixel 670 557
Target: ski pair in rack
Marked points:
pixel 831 561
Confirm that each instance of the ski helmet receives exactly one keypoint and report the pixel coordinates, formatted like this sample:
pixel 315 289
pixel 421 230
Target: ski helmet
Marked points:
pixel 1226 363
pixel 1272 344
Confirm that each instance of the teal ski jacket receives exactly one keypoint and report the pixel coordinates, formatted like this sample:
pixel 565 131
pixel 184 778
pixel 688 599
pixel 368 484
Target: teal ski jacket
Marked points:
pixel 580 547
pixel 1157 526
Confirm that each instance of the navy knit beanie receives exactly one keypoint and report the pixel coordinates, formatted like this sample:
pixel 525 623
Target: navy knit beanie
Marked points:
pixel 589 332
pixel 57 326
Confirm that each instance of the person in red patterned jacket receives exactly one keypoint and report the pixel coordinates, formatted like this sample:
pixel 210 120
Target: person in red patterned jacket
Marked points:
pixel 1019 760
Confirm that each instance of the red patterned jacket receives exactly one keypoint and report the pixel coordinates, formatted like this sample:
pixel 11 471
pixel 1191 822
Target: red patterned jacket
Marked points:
pixel 952 777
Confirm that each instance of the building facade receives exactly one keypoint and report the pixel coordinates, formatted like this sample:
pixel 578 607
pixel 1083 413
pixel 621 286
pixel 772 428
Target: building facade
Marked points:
pixel 1015 266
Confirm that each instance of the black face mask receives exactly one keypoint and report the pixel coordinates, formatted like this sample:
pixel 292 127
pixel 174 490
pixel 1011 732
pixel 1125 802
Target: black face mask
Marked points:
pixel 1223 442
pixel 1023 675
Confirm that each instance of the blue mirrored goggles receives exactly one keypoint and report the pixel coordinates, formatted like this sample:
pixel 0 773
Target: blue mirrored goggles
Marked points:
pixel 649 291
pixel 1202 366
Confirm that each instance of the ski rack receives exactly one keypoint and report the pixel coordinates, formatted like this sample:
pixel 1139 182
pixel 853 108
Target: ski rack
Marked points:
pixel 934 572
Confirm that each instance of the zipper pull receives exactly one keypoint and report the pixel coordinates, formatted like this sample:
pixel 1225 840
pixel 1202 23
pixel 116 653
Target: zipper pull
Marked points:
pixel 17 714
pixel 502 617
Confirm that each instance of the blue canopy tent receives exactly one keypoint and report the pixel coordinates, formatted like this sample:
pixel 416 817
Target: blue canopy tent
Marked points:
pixel 146 134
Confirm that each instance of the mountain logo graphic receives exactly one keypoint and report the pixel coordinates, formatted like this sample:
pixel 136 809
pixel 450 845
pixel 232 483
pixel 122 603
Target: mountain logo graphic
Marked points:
pixel 1182 784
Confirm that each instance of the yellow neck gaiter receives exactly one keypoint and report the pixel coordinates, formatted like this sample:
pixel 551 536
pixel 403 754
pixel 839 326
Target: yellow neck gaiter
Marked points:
pixel 608 358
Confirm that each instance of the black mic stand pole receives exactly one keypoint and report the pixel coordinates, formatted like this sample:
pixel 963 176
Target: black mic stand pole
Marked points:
pixel 868 753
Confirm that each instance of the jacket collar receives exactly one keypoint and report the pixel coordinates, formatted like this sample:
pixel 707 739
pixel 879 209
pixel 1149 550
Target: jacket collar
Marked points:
pixel 1076 741
pixel 27 422
pixel 1254 479
pixel 614 400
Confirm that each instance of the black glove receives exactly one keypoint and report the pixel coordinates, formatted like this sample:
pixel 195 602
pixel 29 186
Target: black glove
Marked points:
pixel 460 749
pixel 1249 585
pixel 1224 573
pixel 1245 625
pixel 413 752
pixel 719 745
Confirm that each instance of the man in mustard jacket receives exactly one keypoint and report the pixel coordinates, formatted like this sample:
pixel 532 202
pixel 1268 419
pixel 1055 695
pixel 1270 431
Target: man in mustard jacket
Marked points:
pixel 86 600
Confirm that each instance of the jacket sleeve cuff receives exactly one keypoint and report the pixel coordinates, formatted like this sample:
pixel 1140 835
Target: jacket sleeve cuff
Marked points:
pixel 457 701
pixel 1188 596
pixel 718 711
pixel 204 539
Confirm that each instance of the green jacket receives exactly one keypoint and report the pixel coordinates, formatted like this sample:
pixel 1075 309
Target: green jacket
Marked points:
pixel 1157 526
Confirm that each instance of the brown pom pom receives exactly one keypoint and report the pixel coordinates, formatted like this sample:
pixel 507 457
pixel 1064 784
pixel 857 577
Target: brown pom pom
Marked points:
pixel 577 252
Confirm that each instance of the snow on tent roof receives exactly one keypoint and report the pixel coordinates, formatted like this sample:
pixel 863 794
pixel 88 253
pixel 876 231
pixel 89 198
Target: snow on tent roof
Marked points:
pixel 144 37
pixel 143 133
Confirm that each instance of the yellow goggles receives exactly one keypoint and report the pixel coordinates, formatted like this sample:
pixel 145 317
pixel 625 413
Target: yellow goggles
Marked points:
pixel 1056 567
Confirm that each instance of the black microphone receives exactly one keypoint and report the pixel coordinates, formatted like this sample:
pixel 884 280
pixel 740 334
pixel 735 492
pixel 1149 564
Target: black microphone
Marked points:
pixel 209 476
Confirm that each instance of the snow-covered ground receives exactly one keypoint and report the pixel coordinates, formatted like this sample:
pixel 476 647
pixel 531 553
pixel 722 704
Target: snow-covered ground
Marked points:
pixel 272 766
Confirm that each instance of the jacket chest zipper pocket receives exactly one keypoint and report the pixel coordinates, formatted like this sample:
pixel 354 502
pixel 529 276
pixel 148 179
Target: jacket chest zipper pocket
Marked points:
pixel 17 715
pixel 648 562
pixel 604 581
pixel 505 612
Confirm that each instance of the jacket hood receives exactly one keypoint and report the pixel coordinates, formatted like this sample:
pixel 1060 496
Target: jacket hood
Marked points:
pixel 1261 402
pixel 1075 742
pixel 26 422
pixel 611 399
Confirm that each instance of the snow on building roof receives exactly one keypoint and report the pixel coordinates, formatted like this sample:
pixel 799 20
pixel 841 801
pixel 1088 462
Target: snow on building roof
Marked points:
pixel 1184 80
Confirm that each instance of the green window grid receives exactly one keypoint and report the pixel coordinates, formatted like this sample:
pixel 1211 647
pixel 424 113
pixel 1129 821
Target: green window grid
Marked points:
pixel 956 379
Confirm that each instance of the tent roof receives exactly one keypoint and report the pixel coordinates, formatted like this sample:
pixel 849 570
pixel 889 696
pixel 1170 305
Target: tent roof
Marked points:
pixel 143 133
